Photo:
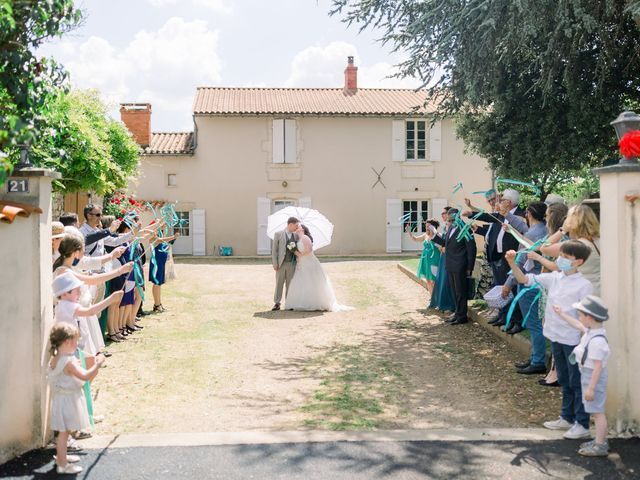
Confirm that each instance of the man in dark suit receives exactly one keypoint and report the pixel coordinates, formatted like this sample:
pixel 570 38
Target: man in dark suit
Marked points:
pixel 459 260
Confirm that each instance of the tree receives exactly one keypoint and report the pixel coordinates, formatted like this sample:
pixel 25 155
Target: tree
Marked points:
pixel 534 82
pixel 92 151
pixel 28 83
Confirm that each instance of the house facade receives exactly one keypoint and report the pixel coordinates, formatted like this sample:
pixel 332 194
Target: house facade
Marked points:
pixel 364 157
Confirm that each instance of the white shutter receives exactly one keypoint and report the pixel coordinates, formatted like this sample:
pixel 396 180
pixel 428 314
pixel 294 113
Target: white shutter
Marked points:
pixel 435 142
pixel 398 141
pixel 304 202
pixel 264 210
pixel 437 206
pixel 290 143
pixel 278 140
pixel 198 232
pixel 394 229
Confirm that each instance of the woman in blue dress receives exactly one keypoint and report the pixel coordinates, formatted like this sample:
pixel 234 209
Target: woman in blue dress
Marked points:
pixel 430 258
pixel 157 268
pixel 442 296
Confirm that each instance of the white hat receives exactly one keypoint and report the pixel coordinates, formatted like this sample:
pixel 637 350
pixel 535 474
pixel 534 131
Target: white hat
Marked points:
pixel 554 198
pixel 65 283
pixel 71 230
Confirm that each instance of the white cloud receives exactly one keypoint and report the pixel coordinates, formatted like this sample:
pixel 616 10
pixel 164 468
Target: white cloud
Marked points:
pixel 161 67
pixel 219 6
pixel 324 67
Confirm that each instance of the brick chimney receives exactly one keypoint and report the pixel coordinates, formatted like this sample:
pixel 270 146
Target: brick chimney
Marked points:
pixel 137 118
pixel 350 77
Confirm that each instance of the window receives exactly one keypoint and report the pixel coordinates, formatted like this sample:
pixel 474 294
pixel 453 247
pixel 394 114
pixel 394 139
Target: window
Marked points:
pixel 172 180
pixel 280 204
pixel 284 141
pixel 416 142
pixel 414 215
pixel 183 225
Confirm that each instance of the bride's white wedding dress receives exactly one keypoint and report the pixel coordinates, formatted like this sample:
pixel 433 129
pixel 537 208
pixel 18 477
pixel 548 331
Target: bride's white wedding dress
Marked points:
pixel 310 288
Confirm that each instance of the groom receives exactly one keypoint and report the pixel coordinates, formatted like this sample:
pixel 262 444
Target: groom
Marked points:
pixel 283 259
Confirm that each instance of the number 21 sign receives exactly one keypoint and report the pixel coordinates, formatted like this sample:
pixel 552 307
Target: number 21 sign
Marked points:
pixel 18 186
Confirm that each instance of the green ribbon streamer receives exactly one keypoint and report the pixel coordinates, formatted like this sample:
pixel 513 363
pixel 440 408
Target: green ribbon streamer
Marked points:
pixel 87 388
pixel 518 182
pixel 514 304
pixel 456 188
pixel 479 192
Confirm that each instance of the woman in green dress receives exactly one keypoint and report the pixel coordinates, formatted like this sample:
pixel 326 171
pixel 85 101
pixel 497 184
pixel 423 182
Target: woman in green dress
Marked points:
pixel 430 258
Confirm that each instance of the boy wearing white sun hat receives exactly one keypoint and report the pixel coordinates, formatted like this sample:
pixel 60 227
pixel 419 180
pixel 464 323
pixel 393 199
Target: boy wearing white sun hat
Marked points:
pixel 591 355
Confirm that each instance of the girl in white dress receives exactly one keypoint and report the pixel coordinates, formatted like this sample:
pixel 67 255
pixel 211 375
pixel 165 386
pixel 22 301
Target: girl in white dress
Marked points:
pixel 66 378
pixel 310 288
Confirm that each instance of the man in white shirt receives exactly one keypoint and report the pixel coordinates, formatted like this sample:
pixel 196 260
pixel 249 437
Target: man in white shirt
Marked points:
pixel 564 287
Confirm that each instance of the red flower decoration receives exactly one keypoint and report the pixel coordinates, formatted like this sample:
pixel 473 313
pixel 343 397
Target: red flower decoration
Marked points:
pixel 630 144
pixel 132 201
pixel 123 211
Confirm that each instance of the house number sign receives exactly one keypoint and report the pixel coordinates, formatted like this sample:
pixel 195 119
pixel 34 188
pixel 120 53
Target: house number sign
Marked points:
pixel 18 186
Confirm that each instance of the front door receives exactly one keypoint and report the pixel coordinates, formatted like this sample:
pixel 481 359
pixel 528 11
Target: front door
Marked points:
pixel 184 243
pixel 414 215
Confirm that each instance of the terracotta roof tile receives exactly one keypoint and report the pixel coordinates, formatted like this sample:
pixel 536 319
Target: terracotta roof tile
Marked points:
pixel 10 210
pixel 309 101
pixel 170 143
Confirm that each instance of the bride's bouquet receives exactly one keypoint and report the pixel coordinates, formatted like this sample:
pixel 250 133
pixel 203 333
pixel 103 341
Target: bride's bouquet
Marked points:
pixel 292 247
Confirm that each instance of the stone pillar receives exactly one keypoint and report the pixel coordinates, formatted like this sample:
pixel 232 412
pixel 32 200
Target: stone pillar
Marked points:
pixel 620 267
pixel 26 313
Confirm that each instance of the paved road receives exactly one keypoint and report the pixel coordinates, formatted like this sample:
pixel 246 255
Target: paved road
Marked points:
pixel 346 461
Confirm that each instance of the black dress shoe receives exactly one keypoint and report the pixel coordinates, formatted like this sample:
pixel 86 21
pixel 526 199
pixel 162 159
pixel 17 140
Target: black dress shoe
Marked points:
pixel 544 383
pixel 515 329
pixel 276 307
pixel 531 369
pixel 499 323
pixel 524 364
pixel 460 321
pixel 450 320
pixel 495 321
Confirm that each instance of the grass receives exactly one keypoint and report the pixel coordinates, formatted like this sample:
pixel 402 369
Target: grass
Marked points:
pixel 411 264
pixel 356 389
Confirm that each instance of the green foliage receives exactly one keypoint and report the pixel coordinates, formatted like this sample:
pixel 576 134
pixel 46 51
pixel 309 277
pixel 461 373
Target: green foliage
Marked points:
pixel 92 151
pixel 28 84
pixel 534 83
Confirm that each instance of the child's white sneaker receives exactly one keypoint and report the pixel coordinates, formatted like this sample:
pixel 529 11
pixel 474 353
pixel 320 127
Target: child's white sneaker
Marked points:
pixel 576 432
pixel 69 469
pixel 559 424
pixel 70 458
pixel 72 445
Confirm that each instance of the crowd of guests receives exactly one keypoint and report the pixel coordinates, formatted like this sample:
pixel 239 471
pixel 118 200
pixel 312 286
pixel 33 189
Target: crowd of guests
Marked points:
pixel 98 272
pixel 545 261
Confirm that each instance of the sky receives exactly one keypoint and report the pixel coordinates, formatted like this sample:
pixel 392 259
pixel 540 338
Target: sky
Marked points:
pixel 159 51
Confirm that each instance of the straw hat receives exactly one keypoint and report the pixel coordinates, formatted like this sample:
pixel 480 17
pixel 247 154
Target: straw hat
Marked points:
pixel 65 283
pixel 57 230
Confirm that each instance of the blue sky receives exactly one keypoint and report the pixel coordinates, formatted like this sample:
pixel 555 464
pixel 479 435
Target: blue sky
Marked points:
pixel 159 51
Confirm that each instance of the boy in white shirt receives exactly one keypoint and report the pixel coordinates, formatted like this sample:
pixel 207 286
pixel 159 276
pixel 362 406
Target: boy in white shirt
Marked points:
pixel 564 287
pixel 591 355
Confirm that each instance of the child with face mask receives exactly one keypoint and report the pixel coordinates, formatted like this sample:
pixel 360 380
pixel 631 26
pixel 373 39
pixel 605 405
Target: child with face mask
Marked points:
pixel 564 287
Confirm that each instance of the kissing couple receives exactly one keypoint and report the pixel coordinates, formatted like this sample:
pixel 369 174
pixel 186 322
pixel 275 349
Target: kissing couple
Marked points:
pixel 297 267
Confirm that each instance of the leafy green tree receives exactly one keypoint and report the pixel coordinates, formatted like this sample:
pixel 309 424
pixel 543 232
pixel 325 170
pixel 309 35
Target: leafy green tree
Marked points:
pixel 28 83
pixel 92 151
pixel 535 83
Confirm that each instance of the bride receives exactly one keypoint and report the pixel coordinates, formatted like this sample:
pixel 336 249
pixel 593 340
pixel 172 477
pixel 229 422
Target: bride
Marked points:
pixel 310 288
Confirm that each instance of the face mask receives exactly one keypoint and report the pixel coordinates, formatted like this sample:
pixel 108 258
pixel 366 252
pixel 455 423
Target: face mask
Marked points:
pixel 563 264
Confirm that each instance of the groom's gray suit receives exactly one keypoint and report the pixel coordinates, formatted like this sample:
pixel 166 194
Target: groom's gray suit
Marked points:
pixel 283 260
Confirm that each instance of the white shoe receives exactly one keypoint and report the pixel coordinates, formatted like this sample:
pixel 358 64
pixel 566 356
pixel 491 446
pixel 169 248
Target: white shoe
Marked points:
pixel 559 424
pixel 576 432
pixel 72 445
pixel 70 458
pixel 69 469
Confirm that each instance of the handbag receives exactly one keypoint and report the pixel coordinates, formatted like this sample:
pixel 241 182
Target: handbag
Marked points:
pixel 170 267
